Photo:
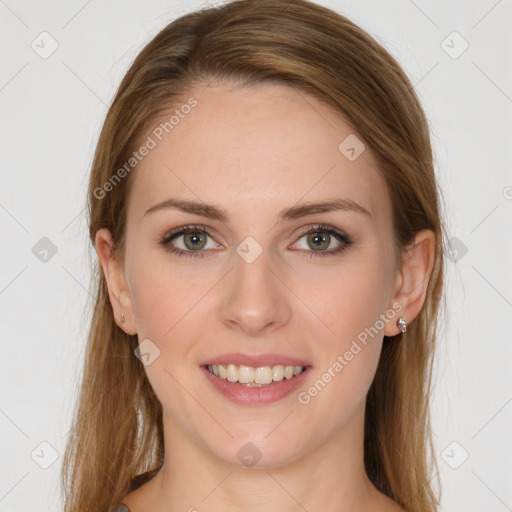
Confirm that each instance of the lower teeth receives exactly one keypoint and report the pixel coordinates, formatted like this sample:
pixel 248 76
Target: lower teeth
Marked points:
pixel 253 384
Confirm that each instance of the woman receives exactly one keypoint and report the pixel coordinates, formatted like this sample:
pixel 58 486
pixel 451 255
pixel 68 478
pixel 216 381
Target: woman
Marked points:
pixel 266 217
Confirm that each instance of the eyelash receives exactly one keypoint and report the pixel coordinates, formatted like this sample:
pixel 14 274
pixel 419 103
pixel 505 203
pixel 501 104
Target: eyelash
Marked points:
pixel 320 228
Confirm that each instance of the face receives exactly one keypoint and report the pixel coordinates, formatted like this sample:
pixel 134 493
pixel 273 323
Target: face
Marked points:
pixel 313 289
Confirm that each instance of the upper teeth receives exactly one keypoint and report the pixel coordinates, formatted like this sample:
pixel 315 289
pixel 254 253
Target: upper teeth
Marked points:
pixel 250 375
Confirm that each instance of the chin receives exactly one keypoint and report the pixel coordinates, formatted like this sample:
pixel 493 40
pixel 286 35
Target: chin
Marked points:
pixel 259 451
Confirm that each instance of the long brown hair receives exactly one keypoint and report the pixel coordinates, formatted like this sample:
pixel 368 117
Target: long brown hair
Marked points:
pixel 116 443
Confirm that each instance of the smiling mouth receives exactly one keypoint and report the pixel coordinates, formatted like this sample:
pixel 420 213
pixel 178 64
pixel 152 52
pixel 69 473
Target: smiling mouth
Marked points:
pixel 254 376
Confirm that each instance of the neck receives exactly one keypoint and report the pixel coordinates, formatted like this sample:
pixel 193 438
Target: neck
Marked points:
pixel 331 477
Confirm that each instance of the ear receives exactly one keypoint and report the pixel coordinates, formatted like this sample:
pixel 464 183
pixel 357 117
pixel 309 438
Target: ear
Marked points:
pixel 118 290
pixel 412 279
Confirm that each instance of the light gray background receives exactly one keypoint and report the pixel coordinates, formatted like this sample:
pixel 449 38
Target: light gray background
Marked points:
pixel 51 114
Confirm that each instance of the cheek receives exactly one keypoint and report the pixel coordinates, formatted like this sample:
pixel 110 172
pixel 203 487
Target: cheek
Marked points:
pixel 164 295
pixel 351 306
pixel 167 304
pixel 346 301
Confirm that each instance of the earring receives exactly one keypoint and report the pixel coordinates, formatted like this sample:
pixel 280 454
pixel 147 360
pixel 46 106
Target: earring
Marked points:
pixel 122 318
pixel 402 324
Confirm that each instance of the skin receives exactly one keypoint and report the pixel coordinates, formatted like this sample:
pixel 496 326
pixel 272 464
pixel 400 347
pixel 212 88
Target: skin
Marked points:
pixel 253 152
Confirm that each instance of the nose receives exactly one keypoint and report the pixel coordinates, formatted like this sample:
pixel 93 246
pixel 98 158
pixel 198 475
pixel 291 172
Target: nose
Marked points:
pixel 255 299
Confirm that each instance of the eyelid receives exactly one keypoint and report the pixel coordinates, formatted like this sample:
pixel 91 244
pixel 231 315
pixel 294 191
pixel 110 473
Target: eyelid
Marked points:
pixel 322 227
pixel 180 230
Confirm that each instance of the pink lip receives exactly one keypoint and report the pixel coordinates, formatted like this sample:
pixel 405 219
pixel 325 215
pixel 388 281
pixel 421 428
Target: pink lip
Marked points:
pixel 244 395
pixel 255 360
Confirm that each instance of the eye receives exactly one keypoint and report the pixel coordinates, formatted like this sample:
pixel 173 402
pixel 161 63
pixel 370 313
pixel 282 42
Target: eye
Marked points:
pixel 322 237
pixel 195 241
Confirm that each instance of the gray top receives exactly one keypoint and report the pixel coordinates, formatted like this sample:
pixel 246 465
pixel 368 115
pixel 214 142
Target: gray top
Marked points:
pixel 120 508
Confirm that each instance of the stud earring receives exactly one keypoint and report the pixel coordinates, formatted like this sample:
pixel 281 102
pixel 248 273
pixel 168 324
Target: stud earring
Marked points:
pixel 402 324
pixel 122 318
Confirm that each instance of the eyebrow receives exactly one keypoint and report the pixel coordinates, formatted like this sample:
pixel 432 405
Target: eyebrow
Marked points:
pixel 214 212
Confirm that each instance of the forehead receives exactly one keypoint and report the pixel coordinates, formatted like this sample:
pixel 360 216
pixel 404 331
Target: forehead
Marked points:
pixel 255 149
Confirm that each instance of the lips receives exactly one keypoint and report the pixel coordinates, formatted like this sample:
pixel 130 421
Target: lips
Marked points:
pixel 255 395
pixel 255 360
